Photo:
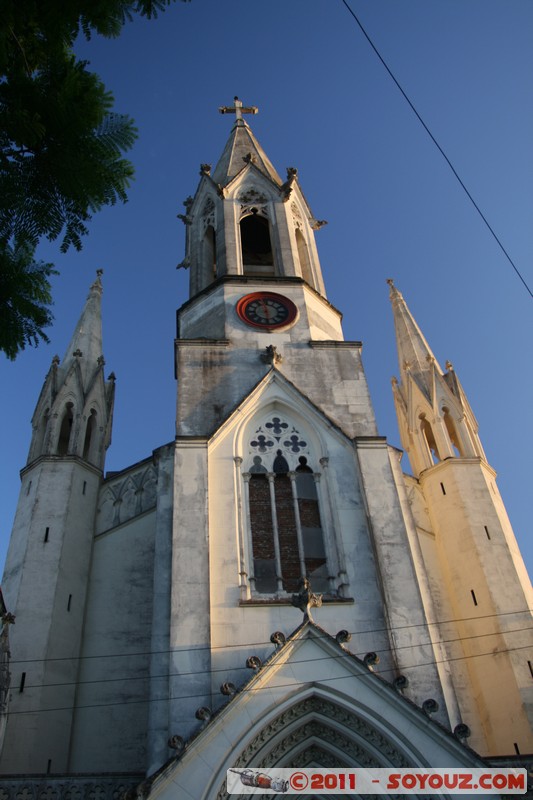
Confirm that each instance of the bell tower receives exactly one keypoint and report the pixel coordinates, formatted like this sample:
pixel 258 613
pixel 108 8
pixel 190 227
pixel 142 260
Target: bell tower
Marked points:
pixel 280 474
pixel 477 577
pixel 48 562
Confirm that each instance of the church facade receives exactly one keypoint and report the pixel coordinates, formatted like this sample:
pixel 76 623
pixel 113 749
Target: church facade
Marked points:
pixel 159 637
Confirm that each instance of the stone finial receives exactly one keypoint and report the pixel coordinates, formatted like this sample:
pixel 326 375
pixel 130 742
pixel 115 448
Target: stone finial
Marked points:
pixel 205 169
pixel 306 599
pixel 278 638
pixel 400 682
pixel 254 662
pixel 371 659
pixel 188 203
pixel 100 361
pixel 394 381
pixel 176 743
pixel 99 273
pixel 55 361
pixel 204 714
pixel 462 731
pixel 343 636
pixel 449 366
pixel 112 377
pixel 271 355
pixel 292 172
pixel 77 353
pixel 430 706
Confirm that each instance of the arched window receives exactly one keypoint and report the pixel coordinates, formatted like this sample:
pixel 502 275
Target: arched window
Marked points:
pixel 209 256
pixel 452 431
pixel 90 431
pixel 429 438
pixel 65 430
pixel 286 532
pixel 257 255
pixel 303 256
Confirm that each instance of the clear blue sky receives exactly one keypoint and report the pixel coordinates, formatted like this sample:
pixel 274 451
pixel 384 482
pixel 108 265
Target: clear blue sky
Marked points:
pixel 328 107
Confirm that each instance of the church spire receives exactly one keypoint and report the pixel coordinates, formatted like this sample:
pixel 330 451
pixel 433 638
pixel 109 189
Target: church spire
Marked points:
pixel 435 419
pixel 74 412
pixel 242 148
pixel 414 353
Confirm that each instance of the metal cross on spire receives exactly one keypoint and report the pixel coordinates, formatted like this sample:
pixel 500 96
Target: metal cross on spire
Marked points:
pixel 238 109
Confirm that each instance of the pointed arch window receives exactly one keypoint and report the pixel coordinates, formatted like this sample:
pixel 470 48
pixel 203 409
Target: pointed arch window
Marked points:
pixel 452 432
pixel 256 244
pixel 303 256
pixel 65 430
pixel 286 530
pixel 90 435
pixel 209 256
pixel 429 438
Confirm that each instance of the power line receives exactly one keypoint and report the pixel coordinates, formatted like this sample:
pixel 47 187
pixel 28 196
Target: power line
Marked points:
pixel 437 145
pixel 227 669
pixel 363 632
pixel 268 688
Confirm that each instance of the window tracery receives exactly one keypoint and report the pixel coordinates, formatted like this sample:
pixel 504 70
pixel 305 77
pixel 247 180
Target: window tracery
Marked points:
pixel 286 534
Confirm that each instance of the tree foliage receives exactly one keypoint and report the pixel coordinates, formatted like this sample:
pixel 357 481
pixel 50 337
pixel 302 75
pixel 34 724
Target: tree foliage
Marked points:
pixel 61 146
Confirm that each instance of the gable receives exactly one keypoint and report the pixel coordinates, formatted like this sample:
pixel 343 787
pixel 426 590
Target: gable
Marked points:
pixel 312 703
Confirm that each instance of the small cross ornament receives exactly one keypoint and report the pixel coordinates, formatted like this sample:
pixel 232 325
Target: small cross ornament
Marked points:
pixel 238 109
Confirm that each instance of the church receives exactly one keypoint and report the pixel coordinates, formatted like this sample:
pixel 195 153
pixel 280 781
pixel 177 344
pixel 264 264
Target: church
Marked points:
pixel 270 589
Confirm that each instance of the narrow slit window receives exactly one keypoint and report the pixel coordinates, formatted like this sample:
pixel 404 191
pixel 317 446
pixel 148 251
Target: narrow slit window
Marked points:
pixel 516 748
pixel 472 592
pixel 22 682
pixel 46 534
pixel 49 767
pixel 69 602
pixel 84 487
pixel 530 665
pixel 28 489
pixel 443 489
pixel 487 531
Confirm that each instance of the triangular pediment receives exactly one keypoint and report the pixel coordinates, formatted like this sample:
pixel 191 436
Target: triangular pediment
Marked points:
pixel 312 703
pixel 277 391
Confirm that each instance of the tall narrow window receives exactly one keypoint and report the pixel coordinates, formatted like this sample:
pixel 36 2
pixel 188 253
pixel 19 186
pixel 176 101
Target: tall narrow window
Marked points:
pixel 427 432
pixel 313 540
pixel 89 436
pixel 65 430
pixel 286 535
pixel 264 556
pixel 303 256
pixel 209 256
pixel 257 255
pixel 452 432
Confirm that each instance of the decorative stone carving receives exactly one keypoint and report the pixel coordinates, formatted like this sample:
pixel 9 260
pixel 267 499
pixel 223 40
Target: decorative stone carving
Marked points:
pixel 278 638
pixel 305 600
pixel 343 636
pixel 271 355
pixel 430 706
pixel 127 497
pixel 330 724
pixel 254 662
pixel 106 788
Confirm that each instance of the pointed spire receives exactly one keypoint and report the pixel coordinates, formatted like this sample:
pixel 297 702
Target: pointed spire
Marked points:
pixel 241 148
pixel 86 342
pixel 414 353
